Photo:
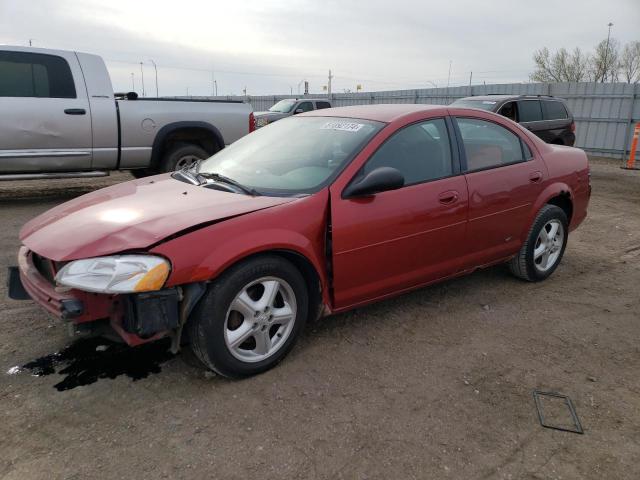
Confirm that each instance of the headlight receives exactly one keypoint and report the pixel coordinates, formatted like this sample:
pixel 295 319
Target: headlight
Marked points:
pixel 115 274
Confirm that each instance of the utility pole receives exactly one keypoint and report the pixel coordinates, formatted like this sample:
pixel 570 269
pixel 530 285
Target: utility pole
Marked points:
pixel 156 69
pixel 329 86
pixel 470 77
pixel 449 77
pixel 142 74
pixel 215 86
pixel 213 83
pixel 29 42
pixel 133 82
pixel 606 53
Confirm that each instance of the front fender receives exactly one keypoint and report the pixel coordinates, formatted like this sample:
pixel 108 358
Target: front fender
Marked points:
pixel 298 227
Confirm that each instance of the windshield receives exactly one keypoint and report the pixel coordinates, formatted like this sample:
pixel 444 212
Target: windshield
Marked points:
pixel 481 104
pixel 283 106
pixel 294 155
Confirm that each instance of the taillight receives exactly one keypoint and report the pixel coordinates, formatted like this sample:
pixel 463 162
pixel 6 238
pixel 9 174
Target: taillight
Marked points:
pixel 252 123
pixel 573 126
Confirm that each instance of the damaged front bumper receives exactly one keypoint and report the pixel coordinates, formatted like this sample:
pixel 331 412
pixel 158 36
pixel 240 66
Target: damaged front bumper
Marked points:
pixel 136 318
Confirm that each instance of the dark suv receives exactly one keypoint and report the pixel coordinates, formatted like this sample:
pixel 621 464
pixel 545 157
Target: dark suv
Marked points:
pixel 547 117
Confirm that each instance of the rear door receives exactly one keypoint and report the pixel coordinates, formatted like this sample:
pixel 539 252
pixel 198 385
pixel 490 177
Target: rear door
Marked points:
pixel 399 239
pixel 45 123
pixel 504 179
pixel 305 106
pixel 558 122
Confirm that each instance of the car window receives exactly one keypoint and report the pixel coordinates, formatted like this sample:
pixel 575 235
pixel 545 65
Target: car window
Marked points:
pixel 554 110
pixel 320 105
pixel 489 105
pixel 529 111
pixel 35 75
pixel 294 155
pixel 488 145
pixel 283 106
pixel 509 110
pixel 305 106
pixel 421 152
pixel 527 151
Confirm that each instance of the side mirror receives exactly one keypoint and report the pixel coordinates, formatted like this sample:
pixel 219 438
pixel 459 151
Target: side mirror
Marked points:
pixel 379 180
pixel 298 110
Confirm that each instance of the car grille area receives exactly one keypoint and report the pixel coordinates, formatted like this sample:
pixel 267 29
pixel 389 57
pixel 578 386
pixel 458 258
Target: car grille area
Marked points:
pixel 47 268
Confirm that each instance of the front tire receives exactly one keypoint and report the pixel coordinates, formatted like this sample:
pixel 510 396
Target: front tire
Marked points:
pixel 250 317
pixel 542 252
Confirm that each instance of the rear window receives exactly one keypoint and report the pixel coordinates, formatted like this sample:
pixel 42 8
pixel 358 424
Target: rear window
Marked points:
pixel 320 105
pixel 529 111
pixel 25 74
pixel 554 110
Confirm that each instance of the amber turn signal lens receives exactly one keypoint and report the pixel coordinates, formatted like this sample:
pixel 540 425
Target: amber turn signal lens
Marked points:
pixel 154 279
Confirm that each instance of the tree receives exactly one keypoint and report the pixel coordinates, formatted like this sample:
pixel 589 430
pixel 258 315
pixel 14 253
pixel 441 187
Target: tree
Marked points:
pixel 630 62
pixel 605 63
pixel 562 66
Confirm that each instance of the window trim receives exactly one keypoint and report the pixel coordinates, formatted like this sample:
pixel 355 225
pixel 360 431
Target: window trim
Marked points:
pixel 463 152
pixel 37 54
pixel 456 167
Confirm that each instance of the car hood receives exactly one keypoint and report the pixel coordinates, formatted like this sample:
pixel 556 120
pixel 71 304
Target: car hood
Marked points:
pixel 132 215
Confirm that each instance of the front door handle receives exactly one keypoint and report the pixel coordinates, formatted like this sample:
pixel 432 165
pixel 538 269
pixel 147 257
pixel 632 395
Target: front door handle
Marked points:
pixel 75 111
pixel 535 177
pixel 448 197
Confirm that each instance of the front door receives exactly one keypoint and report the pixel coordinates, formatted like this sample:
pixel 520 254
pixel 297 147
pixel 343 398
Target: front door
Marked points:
pixel 45 122
pixel 395 240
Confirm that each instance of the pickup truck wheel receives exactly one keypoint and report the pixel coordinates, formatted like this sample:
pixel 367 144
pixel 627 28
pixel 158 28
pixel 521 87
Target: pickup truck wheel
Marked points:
pixel 250 317
pixel 543 250
pixel 181 156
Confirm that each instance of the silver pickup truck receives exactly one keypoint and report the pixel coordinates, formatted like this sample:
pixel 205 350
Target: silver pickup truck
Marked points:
pixel 59 117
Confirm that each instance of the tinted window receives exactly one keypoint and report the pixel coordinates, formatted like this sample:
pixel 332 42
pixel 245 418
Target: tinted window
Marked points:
pixel 509 110
pixel 35 75
pixel 305 106
pixel 529 111
pixel 421 152
pixel 488 145
pixel 320 105
pixel 554 110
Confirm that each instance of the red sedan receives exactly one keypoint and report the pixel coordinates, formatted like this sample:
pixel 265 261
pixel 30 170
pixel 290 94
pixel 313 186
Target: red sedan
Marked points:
pixel 316 214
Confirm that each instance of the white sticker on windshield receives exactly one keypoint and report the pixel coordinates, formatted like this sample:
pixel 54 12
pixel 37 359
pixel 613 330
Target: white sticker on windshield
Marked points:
pixel 344 126
pixel 488 102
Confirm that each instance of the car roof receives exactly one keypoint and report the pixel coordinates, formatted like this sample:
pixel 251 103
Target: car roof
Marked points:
pixel 385 112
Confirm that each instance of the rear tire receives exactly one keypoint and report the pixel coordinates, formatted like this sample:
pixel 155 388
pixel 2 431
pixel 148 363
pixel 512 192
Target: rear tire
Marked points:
pixel 181 156
pixel 250 317
pixel 542 252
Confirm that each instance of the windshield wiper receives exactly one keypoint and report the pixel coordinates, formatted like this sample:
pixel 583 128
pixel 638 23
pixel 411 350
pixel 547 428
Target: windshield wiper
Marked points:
pixel 223 179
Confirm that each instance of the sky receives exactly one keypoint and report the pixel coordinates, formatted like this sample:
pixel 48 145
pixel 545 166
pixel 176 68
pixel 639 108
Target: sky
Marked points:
pixel 273 46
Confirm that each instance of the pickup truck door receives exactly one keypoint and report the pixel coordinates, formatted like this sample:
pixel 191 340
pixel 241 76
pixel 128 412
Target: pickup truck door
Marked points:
pixel 45 123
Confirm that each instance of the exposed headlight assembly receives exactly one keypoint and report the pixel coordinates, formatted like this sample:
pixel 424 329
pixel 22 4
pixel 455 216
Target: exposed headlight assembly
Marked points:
pixel 115 274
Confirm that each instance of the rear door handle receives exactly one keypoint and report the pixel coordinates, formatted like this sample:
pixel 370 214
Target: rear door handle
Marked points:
pixel 535 177
pixel 75 111
pixel 448 197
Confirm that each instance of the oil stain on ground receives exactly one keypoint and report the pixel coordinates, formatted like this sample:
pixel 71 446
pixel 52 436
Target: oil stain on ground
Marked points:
pixel 86 361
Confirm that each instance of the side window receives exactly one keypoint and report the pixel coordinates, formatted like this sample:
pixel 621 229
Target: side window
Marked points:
pixel 320 105
pixel 509 110
pixel 488 145
pixel 529 111
pixel 421 152
pixel 554 110
pixel 25 74
pixel 305 106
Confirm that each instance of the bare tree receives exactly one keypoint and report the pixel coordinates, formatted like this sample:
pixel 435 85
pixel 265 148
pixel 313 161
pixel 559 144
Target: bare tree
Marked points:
pixel 562 66
pixel 605 64
pixel 630 62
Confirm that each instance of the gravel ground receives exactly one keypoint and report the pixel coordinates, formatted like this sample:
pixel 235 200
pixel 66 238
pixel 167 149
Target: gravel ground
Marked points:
pixel 433 384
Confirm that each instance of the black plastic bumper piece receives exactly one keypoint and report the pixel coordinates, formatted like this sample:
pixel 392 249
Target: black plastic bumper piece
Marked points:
pixel 151 312
pixel 15 288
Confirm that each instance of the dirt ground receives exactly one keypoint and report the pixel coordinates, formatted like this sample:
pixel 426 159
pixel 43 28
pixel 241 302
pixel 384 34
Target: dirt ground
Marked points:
pixel 434 384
